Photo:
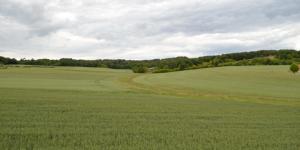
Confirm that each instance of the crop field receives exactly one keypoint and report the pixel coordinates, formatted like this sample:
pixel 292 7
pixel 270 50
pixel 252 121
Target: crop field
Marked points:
pixel 51 108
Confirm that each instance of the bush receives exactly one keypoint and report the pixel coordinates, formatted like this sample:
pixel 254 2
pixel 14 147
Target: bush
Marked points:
pixel 2 66
pixel 163 70
pixel 139 69
pixel 294 68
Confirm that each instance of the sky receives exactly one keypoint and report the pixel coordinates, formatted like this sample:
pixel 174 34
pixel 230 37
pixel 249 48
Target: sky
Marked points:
pixel 145 29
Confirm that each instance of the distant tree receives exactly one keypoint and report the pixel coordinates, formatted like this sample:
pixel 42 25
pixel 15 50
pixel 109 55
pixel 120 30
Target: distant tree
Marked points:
pixel 182 66
pixel 7 61
pixel 2 66
pixel 263 57
pixel 139 69
pixel 294 68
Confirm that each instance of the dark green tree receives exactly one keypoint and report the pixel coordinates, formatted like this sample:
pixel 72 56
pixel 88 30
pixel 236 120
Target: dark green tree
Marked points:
pixel 294 68
pixel 139 69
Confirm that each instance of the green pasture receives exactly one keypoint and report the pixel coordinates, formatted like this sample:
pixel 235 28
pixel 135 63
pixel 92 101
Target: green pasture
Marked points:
pixel 255 107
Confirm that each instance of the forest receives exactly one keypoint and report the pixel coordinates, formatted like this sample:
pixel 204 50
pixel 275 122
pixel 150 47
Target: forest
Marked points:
pixel 261 57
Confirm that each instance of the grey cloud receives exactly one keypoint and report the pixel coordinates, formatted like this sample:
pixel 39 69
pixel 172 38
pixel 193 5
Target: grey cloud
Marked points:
pixel 33 15
pixel 233 16
pixel 138 28
pixel 27 14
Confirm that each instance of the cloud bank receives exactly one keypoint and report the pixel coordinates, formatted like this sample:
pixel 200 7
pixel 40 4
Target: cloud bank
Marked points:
pixel 145 29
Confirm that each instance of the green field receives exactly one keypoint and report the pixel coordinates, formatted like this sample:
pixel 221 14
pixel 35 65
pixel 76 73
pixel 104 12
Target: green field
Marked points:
pixel 255 107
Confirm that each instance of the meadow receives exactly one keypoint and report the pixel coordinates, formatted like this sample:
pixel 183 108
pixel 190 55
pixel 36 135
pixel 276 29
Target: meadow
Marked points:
pixel 253 107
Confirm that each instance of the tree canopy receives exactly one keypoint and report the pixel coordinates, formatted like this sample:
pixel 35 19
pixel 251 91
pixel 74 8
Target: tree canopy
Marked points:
pixel 294 68
pixel 262 57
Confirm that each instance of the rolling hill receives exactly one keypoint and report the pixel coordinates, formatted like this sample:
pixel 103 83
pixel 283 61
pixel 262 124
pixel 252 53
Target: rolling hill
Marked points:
pixel 254 107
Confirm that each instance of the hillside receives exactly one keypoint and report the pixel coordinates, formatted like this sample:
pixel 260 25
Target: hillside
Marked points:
pixel 256 83
pixel 257 107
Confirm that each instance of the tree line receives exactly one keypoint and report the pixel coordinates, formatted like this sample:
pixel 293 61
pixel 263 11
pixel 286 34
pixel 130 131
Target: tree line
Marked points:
pixel 262 57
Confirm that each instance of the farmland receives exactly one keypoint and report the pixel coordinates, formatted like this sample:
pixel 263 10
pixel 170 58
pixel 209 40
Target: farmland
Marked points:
pixel 254 107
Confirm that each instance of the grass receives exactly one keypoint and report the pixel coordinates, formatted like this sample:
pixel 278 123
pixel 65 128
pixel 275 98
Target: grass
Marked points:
pixel 254 107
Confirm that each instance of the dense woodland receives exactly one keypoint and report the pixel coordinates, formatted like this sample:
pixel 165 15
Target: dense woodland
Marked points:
pixel 262 57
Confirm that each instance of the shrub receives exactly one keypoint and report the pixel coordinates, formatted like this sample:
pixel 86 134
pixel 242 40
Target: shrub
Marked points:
pixel 139 69
pixel 163 70
pixel 2 66
pixel 294 68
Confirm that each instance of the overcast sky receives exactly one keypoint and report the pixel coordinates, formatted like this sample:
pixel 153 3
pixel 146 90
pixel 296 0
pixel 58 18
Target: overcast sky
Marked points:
pixel 145 29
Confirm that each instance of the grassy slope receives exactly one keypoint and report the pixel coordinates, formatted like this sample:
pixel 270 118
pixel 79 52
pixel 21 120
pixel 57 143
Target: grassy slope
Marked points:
pixel 265 84
pixel 218 108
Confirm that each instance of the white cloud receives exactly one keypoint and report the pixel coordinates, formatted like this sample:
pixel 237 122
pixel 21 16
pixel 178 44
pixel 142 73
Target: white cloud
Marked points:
pixel 278 35
pixel 145 29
